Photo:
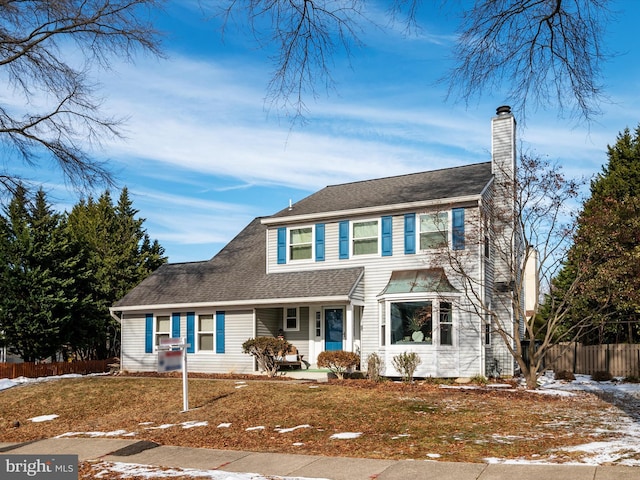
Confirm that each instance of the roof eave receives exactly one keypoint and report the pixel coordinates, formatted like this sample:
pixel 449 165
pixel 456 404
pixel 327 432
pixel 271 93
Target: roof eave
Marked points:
pixel 233 303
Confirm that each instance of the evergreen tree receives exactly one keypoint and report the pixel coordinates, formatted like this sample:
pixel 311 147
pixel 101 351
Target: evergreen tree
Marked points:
pixel 60 273
pixel 606 250
pixel 121 256
pixel 38 279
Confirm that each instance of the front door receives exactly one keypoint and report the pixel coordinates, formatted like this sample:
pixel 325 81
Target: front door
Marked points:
pixel 333 328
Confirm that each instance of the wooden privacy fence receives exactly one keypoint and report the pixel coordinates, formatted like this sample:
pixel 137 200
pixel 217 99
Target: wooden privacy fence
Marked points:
pixel 620 360
pixel 34 370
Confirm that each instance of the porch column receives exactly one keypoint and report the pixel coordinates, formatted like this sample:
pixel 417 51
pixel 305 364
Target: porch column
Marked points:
pixel 349 328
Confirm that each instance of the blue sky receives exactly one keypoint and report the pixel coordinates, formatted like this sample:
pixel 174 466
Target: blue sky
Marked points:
pixel 203 156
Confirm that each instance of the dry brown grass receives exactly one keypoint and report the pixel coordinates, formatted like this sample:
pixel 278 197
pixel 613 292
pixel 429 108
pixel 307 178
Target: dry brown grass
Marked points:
pixel 397 421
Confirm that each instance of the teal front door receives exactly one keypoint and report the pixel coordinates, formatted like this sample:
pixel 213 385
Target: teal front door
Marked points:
pixel 333 328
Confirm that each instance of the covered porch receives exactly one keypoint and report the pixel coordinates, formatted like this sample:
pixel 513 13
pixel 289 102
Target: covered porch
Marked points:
pixel 313 327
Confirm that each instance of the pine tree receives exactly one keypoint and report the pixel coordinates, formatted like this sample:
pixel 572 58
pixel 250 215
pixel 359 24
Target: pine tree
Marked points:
pixel 121 256
pixel 38 278
pixel 606 250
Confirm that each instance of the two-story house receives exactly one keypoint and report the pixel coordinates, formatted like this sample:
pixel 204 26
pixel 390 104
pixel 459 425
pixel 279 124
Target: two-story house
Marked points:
pixel 390 265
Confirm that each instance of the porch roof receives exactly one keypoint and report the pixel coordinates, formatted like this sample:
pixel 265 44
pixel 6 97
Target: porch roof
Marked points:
pixel 236 275
pixel 427 280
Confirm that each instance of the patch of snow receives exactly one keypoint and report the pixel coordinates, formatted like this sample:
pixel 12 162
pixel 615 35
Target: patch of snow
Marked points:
pixel 5 383
pixel 194 423
pixel 241 386
pixel 164 426
pixel 287 430
pixel 114 433
pixel 345 435
pixel 44 418
pixel 146 471
pixel 433 455
pixel 251 429
pixel 224 425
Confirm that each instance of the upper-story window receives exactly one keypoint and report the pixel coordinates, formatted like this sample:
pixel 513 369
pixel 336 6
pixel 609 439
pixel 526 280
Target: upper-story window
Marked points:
pixel 434 230
pixel 365 237
pixel 300 243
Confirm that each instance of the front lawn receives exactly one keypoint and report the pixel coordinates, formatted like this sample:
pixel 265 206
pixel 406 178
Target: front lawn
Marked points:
pixel 351 418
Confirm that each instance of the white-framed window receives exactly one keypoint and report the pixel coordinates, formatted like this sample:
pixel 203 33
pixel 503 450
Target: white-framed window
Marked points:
pixel 291 319
pixel 487 329
pixel 421 322
pixel 301 243
pixel 318 324
pixel 206 333
pixel 446 324
pixel 434 230
pixel 163 327
pixel 365 236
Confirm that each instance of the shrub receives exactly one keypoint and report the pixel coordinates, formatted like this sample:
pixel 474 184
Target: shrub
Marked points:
pixel 479 380
pixel 406 363
pixel 565 375
pixel 631 379
pixel 374 367
pixel 601 376
pixel 266 350
pixel 338 361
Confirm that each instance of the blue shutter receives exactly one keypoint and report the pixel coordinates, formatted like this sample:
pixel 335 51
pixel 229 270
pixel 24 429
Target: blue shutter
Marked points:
pixel 457 231
pixel 387 236
pixel 410 233
pixel 219 332
pixel 148 333
pixel 282 245
pixel 343 234
pixel 191 332
pixel 175 325
pixel 320 242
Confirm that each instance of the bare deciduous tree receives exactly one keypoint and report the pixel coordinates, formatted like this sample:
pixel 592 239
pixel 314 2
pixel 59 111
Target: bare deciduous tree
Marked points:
pixel 548 53
pixel 528 238
pixel 305 35
pixel 544 52
pixel 47 51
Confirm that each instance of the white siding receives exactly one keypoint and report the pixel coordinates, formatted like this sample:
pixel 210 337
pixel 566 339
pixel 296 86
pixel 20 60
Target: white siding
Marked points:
pixel 238 328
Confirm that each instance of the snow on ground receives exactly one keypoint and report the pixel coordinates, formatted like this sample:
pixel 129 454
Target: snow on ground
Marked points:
pixel 44 418
pixel 145 471
pixel 622 450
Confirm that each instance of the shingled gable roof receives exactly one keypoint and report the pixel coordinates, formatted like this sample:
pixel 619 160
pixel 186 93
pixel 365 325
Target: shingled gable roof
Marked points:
pixel 456 182
pixel 237 274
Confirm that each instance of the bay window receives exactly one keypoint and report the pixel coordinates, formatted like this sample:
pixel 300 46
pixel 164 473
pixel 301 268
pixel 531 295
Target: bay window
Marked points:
pixel 421 322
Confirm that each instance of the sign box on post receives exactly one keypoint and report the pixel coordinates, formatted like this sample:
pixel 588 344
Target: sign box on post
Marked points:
pixel 170 359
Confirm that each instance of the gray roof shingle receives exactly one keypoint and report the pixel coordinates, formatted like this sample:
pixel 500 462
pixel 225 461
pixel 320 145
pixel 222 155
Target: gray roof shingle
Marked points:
pixel 237 273
pixel 416 187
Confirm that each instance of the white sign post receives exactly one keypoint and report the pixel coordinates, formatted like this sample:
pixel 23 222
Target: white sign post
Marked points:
pixel 170 359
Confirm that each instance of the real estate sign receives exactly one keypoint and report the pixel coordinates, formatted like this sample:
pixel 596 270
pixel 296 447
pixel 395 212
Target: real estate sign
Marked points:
pixel 169 360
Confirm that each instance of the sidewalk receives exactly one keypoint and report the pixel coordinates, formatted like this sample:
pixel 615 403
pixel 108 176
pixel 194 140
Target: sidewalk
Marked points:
pixel 287 465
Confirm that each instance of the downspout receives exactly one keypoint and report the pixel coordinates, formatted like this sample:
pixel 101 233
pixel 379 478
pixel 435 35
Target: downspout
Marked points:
pixel 483 293
pixel 118 319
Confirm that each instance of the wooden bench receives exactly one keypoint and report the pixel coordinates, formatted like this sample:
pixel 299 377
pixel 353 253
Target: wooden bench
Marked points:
pixel 291 358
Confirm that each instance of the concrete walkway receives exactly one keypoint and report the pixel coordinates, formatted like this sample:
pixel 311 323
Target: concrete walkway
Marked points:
pixel 287 465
